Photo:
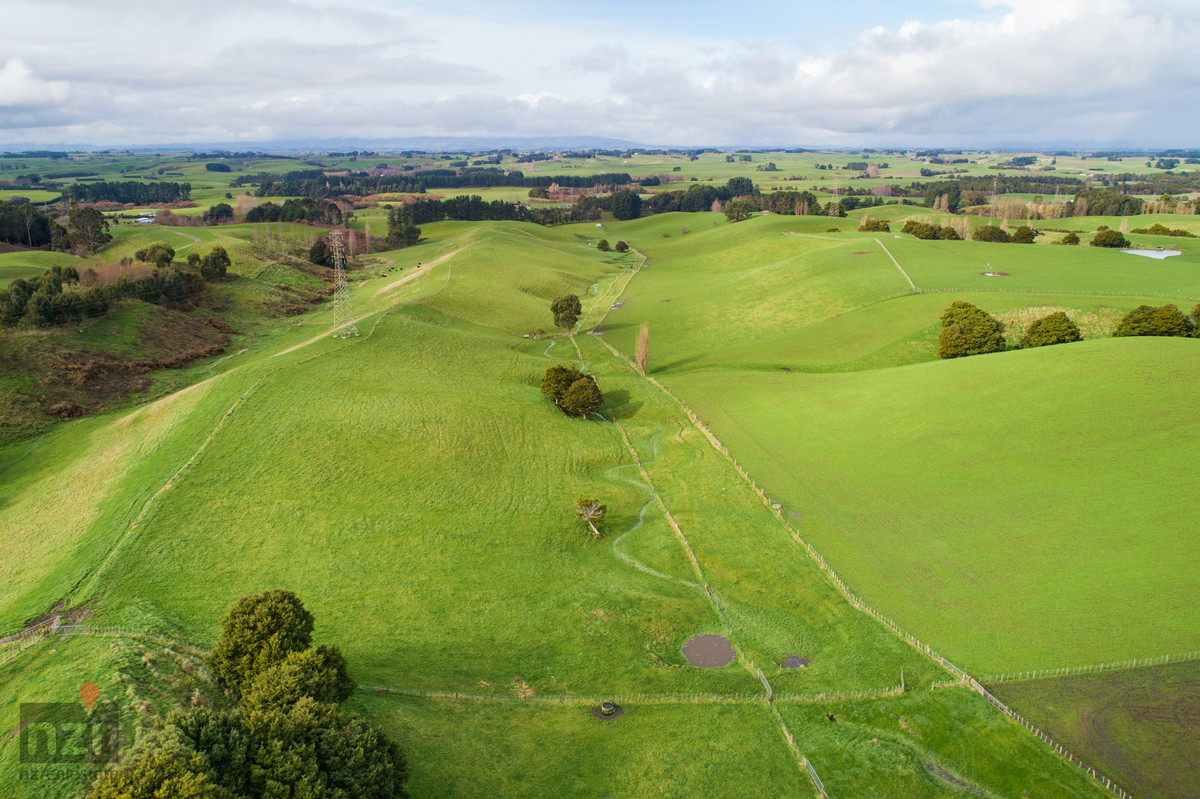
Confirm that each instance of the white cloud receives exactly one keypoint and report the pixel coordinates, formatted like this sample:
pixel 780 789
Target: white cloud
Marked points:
pixel 20 87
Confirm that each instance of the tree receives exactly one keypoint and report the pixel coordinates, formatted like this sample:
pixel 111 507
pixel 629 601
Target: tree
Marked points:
pixel 581 398
pixel 214 265
pixel 221 212
pixel 1024 235
pixel 737 210
pixel 402 230
pixel 592 512
pixel 621 247
pixel 603 245
pixel 320 674
pixel 1057 328
pixel 319 253
pixel 625 204
pixel 88 228
pixel 1146 320
pixel 641 352
pixel 1071 239
pixel 259 632
pixel 1113 239
pixel 990 233
pixel 967 330
pixel 741 187
pixel 558 379
pixel 160 775
pixel 566 310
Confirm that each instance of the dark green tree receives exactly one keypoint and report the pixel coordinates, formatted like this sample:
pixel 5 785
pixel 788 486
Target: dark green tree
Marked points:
pixel 1071 239
pixel 558 379
pixel 967 330
pixel 625 204
pixel 581 398
pixel 566 310
pixel 603 245
pixel 621 247
pixel 214 265
pixel 221 212
pixel 160 775
pixel 1113 239
pixel 1024 235
pixel 259 632
pixel 319 253
pixel 741 187
pixel 1146 320
pixel 737 210
pixel 320 674
pixel 1056 328
pixel 402 230
pixel 990 233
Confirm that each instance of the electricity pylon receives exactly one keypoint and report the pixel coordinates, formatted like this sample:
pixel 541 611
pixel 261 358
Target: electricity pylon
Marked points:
pixel 343 316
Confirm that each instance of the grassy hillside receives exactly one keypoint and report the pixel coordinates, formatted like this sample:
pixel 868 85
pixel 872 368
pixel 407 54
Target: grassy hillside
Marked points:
pixel 416 490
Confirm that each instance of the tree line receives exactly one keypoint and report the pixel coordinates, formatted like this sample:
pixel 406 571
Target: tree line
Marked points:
pixel 57 297
pixel 127 192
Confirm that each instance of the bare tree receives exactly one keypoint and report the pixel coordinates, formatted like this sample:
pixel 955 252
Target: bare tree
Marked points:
pixel 591 511
pixel 642 350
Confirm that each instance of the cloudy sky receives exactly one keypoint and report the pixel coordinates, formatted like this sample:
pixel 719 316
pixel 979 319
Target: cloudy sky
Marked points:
pixel 793 72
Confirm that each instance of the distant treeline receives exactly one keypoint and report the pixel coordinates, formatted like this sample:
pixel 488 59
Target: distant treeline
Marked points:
pixel 303 209
pixel 128 191
pixel 316 184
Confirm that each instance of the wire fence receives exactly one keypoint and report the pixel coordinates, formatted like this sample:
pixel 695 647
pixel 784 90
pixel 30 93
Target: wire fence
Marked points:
pixel 961 677
pixel 1072 671
pixel 1073 292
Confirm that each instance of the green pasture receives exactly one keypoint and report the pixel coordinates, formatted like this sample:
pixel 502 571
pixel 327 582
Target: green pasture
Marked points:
pixel 910 746
pixel 1137 727
pixel 1010 509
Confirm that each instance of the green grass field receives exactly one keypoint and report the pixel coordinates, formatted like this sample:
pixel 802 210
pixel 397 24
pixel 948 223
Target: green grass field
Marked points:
pixel 1014 511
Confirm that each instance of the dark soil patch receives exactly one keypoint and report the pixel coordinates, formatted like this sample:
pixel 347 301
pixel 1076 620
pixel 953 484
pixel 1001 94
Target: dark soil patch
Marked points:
pixel 709 651
pixel 795 662
pixel 786 368
pixel 598 714
pixel 664 300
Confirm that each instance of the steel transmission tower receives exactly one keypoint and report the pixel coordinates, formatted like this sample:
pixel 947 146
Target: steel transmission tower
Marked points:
pixel 343 317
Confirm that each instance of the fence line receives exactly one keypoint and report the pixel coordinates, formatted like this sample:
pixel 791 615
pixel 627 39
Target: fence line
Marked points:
pixel 858 602
pixel 1079 292
pixel 1070 671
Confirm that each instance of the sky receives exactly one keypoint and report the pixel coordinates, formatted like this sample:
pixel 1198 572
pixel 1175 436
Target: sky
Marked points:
pixel 872 73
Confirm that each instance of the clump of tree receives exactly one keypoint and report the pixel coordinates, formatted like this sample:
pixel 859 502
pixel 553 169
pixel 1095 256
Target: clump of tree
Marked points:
pixel 130 191
pixel 22 224
pixel 284 733
pixel 215 264
pixel 869 225
pixel 737 210
pixel 576 393
pixel 1113 239
pixel 567 310
pixel 1025 235
pixel 625 204
pixel 928 232
pixel 1162 230
pixel 1071 239
pixel 603 245
pixel 1056 328
pixel 402 232
pixel 87 229
pixel 221 212
pixel 320 253
pixel 622 246
pixel 991 233
pixel 592 512
pixel 301 209
pixel 968 330
pixel 216 167
pixel 1165 320
pixel 158 253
